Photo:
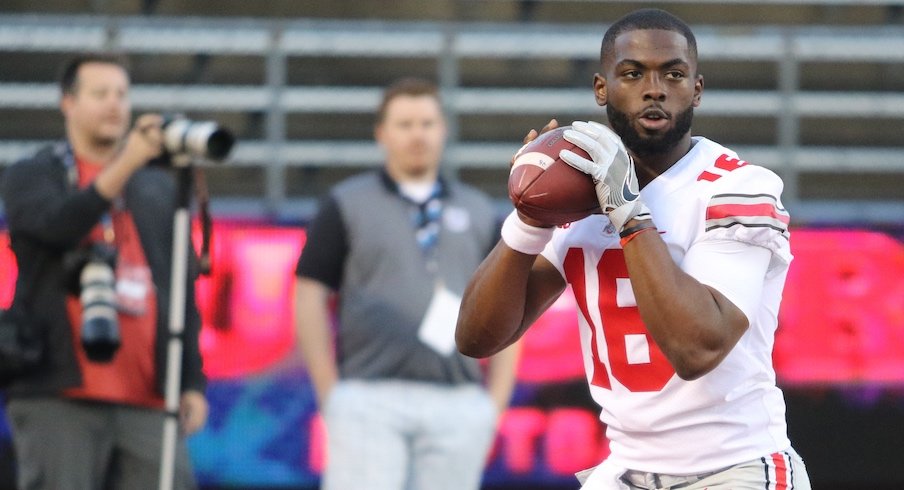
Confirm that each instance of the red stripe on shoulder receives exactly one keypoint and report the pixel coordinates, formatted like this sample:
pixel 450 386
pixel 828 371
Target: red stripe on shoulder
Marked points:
pixel 763 209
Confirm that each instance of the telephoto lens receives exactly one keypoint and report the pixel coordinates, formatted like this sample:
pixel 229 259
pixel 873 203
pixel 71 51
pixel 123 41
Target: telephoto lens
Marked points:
pixel 196 139
pixel 100 326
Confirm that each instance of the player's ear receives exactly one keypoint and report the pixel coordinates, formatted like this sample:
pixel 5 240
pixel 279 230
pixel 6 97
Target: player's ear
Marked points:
pixel 599 89
pixel 698 90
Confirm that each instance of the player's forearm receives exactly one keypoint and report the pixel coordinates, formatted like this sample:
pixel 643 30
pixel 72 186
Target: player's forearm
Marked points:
pixel 492 308
pixel 694 325
pixel 314 336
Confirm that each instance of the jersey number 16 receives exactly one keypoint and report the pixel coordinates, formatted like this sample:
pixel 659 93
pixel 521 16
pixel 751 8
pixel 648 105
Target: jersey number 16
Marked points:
pixel 621 325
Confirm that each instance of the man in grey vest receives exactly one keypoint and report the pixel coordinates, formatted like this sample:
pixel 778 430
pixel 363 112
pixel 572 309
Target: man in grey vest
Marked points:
pixel 403 409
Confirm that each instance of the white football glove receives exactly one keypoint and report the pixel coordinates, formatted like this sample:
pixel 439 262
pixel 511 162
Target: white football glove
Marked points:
pixel 611 169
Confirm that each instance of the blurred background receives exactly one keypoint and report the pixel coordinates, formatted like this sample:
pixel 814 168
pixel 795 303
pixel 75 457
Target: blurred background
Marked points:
pixel 811 90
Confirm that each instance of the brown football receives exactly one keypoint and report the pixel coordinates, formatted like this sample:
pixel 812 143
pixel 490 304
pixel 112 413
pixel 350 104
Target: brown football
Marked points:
pixel 545 188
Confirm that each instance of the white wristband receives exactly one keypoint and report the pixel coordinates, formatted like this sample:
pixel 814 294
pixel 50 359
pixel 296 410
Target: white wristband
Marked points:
pixel 524 238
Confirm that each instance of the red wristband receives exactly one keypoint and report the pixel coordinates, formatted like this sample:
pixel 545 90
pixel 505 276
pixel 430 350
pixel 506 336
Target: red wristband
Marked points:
pixel 630 236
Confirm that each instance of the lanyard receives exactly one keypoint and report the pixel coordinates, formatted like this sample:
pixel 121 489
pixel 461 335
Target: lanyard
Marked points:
pixel 426 217
pixel 72 175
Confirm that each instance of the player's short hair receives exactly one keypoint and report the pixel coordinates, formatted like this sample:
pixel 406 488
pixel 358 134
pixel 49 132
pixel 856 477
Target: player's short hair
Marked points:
pixel 412 87
pixel 647 19
pixel 69 74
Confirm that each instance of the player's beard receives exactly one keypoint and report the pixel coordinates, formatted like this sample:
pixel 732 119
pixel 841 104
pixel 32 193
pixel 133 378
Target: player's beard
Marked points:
pixel 649 145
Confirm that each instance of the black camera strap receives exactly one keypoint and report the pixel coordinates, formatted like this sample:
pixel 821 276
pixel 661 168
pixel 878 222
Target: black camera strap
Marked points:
pixel 203 196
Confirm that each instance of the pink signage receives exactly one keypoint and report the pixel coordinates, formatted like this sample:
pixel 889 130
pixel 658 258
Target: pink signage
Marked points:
pixel 842 318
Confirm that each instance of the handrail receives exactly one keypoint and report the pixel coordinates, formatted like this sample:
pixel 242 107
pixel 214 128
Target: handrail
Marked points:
pixel 465 100
pixel 363 153
pixel 788 48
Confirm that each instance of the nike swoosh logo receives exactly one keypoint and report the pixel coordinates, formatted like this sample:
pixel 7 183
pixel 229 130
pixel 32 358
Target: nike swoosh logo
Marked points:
pixel 627 193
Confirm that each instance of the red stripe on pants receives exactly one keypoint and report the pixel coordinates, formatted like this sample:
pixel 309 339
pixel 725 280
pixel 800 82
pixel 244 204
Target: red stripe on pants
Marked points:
pixel 781 472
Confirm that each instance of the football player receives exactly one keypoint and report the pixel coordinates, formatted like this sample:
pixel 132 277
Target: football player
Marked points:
pixel 678 283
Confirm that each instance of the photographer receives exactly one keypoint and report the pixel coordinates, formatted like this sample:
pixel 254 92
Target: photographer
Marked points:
pixel 91 228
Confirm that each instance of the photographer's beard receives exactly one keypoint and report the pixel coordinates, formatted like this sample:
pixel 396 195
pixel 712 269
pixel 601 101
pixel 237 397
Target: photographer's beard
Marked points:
pixel 96 143
pixel 643 145
pixel 105 143
pixel 110 131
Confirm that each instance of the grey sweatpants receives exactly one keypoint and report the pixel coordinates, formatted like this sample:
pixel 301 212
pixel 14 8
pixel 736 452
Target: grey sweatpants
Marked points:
pixel 406 435
pixel 77 445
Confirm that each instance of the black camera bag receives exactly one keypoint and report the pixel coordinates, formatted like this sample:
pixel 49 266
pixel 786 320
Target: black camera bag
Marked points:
pixel 21 346
pixel 21 336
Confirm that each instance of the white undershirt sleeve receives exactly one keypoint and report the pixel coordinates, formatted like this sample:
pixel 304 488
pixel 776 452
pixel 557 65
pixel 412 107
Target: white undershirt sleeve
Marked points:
pixel 735 269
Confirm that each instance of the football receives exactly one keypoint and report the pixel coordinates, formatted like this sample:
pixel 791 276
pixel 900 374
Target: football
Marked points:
pixel 545 188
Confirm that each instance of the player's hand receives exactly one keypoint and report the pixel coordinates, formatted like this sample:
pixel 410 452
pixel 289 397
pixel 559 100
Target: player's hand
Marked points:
pixel 144 141
pixel 611 169
pixel 532 135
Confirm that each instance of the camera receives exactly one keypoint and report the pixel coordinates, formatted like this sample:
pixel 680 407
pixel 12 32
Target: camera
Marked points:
pixel 185 140
pixel 100 335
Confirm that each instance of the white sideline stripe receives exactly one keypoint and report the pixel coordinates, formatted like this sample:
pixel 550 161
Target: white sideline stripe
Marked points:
pixel 720 199
pixel 746 221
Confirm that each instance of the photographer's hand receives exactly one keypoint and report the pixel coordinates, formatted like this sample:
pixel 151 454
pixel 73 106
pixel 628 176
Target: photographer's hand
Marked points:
pixel 143 143
pixel 193 410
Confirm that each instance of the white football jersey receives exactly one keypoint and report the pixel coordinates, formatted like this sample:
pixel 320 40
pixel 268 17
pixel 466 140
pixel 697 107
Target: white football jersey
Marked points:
pixel 717 215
